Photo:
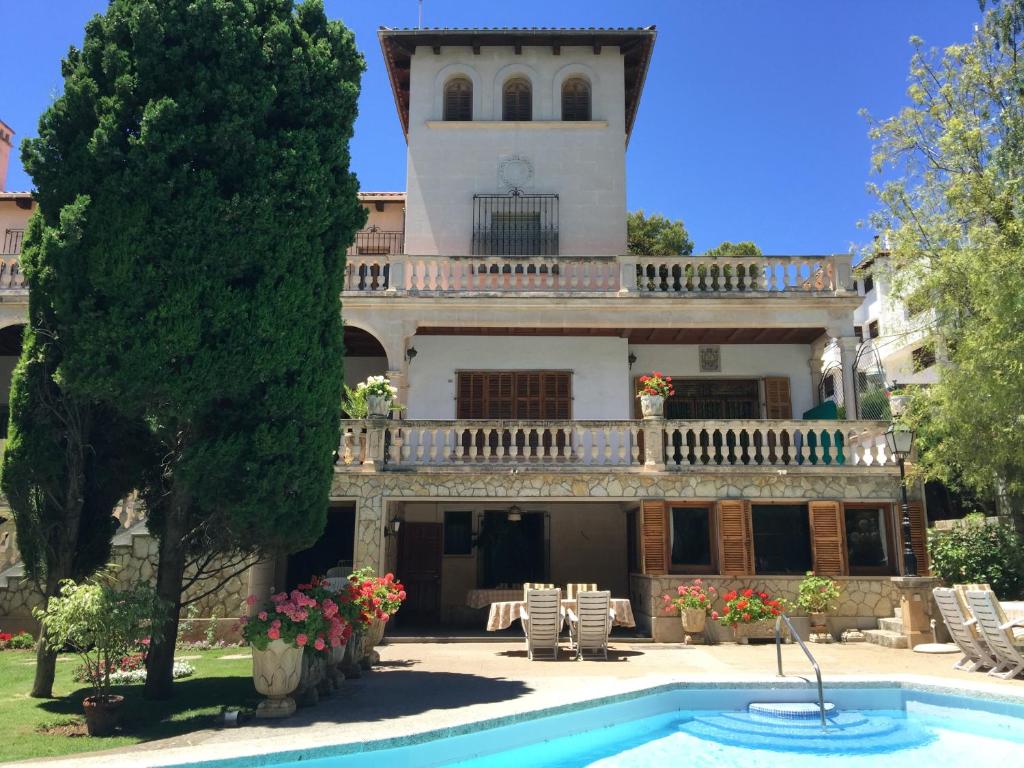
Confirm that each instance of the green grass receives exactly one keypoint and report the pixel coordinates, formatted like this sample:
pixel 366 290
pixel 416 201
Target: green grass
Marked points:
pixel 198 702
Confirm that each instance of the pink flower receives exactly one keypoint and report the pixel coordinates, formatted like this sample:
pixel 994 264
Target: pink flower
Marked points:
pixel 301 640
pixel 251 600
pixel 262 615
pixel 243 620
pixel 274 633
pixel 319 644
pixel 276 623
pixel 714 615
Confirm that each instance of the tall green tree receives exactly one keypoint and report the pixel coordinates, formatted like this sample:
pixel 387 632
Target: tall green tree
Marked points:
pixel 954 211
pixel 207 142
pixel 742 248
pixel 656 235
pixel 69 459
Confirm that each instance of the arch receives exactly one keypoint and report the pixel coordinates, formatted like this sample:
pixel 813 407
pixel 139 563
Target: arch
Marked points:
pixel 576 99
pixel 517 99
pixel 575 70
pixel 458 98
pixel 369 343
pixel 511 72
pixel 450 72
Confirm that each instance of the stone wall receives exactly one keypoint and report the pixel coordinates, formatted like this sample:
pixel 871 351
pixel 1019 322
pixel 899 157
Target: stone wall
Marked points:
pixel 863 600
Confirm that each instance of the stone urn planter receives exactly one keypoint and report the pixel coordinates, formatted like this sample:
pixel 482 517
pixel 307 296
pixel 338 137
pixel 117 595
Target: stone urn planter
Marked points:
pixel 350 664
pixel 818 620
pixel 276 672
pixel 102 714
pixel 335 672
pixel 308 692
pixel 693 619
pixel 756 630
pixel 378 406
pixel 898 404
pixel 372 637
pixel 652 406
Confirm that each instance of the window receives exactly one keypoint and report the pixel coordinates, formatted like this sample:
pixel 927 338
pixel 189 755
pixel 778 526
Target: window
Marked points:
pixel 690 537
pixel 782 538
pixel 517 100
pixel 873 330
pixel 714 399
pixel 514 395
pixel 923 357
pixel 858 331
pixel 458 533
pixel 458 99
pixel 829 385
pixel 575 99
pixel 869 284
pixel 869 542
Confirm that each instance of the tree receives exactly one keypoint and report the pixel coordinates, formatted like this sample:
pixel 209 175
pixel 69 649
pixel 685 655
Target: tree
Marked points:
pixel 955 217
pixel 655 235
pixel 726 248
pixel 206 142
pixel 68 459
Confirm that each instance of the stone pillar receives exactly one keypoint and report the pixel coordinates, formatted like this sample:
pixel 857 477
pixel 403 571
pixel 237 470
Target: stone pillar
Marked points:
pixel 261 582
pixel 654 445
pixel 916 607
pixel 374 457
pixel 816 363
pixel 627 274
pixel 847 358
pixel 400 380
pixel 396 274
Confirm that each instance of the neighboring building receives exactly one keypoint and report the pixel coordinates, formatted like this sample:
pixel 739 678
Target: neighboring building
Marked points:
pixel 498 296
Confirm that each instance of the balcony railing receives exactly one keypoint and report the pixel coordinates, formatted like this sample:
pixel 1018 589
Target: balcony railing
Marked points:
pixel 516 224
pixel 640 275
pixel 13 239
pixel 680 445
pixel 377 242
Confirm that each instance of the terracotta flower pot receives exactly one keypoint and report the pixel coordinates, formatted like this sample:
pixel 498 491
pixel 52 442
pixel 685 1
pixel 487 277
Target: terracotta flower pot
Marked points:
pixel 276 672
pixel 693 619
pixel 102 714
pixel 652 406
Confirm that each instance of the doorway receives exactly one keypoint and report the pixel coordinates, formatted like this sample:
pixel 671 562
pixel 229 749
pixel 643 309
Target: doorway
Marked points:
pixel 419 570
pixel 335 547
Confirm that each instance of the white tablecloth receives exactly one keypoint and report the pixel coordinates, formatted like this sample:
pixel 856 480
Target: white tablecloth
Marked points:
pixel 503 613
pixel 481 598
pixel 1013 609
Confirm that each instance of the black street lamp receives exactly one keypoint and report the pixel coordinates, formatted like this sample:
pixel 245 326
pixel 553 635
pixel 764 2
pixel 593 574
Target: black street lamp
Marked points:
pixel 900 440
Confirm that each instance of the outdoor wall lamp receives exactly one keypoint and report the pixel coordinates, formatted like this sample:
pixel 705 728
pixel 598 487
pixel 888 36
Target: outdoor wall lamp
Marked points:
pixel 631 359
pixel 410 353
pixel 391 529
pixel 900 441
pixel 515 514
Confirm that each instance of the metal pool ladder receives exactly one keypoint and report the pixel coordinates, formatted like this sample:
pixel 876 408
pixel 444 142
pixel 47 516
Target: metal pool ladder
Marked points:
pixel 817 670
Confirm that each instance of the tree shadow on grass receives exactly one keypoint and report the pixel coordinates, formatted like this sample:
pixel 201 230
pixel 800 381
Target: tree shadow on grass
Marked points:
pixel 197 703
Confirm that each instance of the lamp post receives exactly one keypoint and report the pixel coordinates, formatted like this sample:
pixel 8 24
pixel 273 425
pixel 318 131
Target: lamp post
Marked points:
pixel 900 440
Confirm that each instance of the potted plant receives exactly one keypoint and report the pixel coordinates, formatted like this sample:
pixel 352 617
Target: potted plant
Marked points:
pixel 374 397
pixel 750 614
pixel 101 625
pixel 693 601
pixel 818 596
pixel 372 601
pixel 654 388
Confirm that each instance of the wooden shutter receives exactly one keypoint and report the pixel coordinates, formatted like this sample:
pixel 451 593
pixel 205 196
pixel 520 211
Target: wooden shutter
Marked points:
pixel 736 538
pixel 653 538
pixel 918 535
pixel 556 387
pixel 470 403
pixel 778 403
pixel 458 100
pixel 827 540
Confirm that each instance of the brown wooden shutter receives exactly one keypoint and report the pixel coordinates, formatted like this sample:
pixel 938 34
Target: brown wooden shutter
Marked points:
pixel 918 535
pixel 778 403
pixel 500 396
pixel 827 540
pixel 556 387
pixel 470 401
pixel 736 537
pixel 653 538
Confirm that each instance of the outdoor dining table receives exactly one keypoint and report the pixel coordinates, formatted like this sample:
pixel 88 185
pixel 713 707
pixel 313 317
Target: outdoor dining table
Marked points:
pixel 504 612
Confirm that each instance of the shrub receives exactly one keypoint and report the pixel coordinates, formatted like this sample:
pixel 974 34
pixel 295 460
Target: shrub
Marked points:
pixel 818 594
pixel 979 552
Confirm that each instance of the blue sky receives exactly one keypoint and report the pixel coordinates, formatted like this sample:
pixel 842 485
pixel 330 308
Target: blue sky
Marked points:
pixel 748 128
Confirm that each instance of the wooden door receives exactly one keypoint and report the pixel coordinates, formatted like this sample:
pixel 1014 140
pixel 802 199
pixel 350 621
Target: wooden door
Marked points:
pixel 419 569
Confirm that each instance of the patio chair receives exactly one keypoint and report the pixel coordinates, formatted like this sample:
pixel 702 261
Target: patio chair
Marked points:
pixel 590 623
pixel 963 630
pixel 530 585
pixel 572 590
pixel 541 618
pixel 998 633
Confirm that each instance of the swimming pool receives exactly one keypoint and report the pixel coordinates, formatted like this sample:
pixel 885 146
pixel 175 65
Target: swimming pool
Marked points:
pixel 874 725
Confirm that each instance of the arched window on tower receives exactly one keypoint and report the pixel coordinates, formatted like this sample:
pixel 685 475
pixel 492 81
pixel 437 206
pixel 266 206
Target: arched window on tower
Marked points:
pixel 576 99
pixel 458 99
pixel 517 100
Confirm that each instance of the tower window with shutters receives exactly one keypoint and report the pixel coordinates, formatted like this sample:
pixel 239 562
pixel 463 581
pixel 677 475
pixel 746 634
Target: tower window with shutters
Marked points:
pixel 576 99
pixel 517 100
pixel 458 99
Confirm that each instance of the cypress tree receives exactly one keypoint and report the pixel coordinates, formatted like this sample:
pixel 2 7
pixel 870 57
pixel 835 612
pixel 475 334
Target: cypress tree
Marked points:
pixel 211 139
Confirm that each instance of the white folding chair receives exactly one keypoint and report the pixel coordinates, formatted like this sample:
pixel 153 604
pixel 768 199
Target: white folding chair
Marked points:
pixel 591 623
pixel 998 634
pixel 542 619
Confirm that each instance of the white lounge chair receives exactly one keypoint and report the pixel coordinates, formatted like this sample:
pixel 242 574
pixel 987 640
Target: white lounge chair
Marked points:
pixel 964 632
pixel 591 623
pixel 572 590
pixel 998 634
pixel 531 585
pixel 542 619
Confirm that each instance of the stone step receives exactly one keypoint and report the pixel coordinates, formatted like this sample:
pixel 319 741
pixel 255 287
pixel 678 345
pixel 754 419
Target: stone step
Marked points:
pixel 886 638
pixel 894 624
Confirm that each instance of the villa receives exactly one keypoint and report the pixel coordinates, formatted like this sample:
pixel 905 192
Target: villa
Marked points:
pixel 497 294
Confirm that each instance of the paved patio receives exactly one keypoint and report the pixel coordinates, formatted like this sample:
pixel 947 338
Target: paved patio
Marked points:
pixel 425 686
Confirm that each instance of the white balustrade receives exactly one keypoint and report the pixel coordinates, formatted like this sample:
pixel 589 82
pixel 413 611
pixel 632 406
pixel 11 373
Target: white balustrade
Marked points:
pixel 684 445
pixel 11 278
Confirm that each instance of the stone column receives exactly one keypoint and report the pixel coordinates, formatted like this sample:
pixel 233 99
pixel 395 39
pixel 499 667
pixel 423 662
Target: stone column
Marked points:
pixel 847 358
pixel 400 380
pixel 916 607
pixel 261 582
pixel 627 274
pixel 654 444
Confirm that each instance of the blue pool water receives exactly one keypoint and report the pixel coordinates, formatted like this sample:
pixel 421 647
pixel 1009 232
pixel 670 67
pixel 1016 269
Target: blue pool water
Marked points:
pixel 870 727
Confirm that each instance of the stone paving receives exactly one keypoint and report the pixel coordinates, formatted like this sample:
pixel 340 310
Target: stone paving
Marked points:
pixel 424 686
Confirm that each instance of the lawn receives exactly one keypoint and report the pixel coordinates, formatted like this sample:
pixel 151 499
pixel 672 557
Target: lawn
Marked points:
pixel 49 727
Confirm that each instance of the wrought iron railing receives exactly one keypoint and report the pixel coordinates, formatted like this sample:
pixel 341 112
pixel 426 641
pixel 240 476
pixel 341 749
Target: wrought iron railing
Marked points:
pixel 377 242
pixel 515 224
pixel 12 241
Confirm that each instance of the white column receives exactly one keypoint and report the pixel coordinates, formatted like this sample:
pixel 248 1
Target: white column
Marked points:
pixel 847 357
pixel 627 274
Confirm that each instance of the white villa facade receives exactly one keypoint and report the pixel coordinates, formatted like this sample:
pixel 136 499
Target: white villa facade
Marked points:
pixel 497 293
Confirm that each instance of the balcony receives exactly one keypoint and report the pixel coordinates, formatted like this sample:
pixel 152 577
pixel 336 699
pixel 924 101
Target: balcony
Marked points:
pixel 595 445
pixel 11 278
pixel 656 276
pixel 516 224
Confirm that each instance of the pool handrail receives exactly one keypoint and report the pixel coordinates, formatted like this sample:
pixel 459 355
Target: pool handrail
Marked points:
pixel 782 617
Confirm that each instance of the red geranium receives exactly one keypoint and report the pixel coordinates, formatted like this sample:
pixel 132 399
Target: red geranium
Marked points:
pixel 748 606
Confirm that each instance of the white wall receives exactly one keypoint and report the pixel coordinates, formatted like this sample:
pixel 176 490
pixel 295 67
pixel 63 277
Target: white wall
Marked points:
pixel 359 368
pixel 738 361
pixel 600 381
pixel 584 163
pixel 390 219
